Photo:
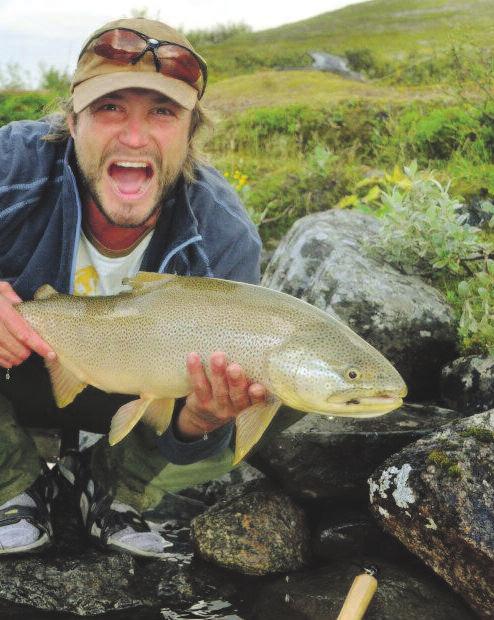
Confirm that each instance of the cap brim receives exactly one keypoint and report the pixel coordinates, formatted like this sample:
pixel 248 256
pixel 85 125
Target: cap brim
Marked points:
pixel 88 91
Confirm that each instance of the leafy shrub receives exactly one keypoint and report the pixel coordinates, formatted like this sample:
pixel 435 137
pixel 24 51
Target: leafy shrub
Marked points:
pixel 477 316
pixel 362 60
pixel 423 230
pixel 216 34
pixel 275 200
pixel 357 125
pixel 438 133
pixel 55 81
pixel 23 105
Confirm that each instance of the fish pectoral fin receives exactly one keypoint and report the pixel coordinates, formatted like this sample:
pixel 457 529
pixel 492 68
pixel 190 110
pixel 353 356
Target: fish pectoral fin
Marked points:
pixel 251 424
pixel 144 280
pixel 64 382
pixel 159 414
pixel 45 292
pixel 126 418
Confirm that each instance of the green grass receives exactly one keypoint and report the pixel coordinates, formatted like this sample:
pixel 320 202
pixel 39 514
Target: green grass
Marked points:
pixel 312 88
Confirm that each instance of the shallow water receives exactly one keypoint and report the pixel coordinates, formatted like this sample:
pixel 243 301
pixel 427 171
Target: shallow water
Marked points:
pixel 204 610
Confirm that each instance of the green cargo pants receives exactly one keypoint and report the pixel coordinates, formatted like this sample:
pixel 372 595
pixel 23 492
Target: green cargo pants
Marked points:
pixel 135 470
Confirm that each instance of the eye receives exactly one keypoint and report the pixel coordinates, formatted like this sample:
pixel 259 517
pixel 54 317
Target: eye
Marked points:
pixel 352 374
pixel 164 112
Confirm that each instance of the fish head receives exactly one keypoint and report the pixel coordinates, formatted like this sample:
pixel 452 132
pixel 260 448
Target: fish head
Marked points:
pixel 335 372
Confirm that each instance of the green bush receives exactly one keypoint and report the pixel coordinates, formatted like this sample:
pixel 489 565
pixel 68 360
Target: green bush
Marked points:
pixel 23 105
pixel 440 132
pixel 424 232
pixel 362 60
pixel 357 125
pixel 477 315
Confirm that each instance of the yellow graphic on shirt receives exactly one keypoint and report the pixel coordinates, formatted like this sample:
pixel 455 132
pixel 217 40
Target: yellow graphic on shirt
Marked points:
pixel 86 281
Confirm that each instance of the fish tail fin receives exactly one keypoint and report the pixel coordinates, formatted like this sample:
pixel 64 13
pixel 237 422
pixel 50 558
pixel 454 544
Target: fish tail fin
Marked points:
pixel 159 414
pixel 126 418
pixel 251 424
pixel 66 385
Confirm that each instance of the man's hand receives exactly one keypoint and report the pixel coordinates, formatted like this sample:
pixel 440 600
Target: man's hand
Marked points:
pixel 214 402
pixel 17 338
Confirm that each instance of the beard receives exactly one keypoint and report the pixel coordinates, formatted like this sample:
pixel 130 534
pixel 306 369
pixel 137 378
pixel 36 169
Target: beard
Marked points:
pixel 90 175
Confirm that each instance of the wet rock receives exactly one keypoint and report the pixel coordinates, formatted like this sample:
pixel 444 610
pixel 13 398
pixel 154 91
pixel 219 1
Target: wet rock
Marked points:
pixel 467 384
pixel 188 503
pixel 74 577
pixel 255 532
pixel 334 64
pixel 404 591
pixel 350 531
pixel 322 457
pixel 437 497
pixel 323 261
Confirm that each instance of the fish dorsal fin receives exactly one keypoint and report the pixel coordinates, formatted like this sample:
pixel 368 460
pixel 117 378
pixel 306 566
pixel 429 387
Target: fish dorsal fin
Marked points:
pixel 251 424
pixel 45 292
pixel 66 385
pixel 145 280
pixel 159 414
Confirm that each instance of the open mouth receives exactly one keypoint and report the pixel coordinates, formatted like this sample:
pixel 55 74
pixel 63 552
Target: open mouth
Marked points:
pixel 366 406
pixel 130 179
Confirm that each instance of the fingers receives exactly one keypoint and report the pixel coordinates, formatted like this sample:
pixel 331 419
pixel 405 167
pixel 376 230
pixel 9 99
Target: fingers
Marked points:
pixel 7 291
pixel 17 338
pixel 228 391
pixel 201 387
pixel 238 387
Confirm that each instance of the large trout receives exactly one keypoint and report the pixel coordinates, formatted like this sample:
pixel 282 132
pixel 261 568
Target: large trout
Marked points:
pixel 137 342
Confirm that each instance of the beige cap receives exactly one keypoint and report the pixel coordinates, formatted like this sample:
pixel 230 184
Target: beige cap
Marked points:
pixel 96 76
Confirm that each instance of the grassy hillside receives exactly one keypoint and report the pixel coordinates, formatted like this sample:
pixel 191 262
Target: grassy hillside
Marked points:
pixel 312 88
pixel 393 30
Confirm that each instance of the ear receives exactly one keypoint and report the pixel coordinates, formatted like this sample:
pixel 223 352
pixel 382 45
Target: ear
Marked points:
pixel 71 121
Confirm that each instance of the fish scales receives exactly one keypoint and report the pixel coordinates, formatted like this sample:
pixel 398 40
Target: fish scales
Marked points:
pixel 137 343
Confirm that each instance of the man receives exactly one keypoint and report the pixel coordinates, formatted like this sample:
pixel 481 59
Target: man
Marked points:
pixel 115 189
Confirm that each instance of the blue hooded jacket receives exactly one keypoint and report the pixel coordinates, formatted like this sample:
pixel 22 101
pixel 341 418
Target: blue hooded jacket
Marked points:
pixel 203 230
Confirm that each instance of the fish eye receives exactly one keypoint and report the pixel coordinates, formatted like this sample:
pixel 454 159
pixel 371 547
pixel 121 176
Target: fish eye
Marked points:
pixel 353 374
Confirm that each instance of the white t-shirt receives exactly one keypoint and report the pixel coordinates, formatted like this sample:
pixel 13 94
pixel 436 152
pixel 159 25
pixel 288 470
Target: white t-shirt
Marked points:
pixel 99 274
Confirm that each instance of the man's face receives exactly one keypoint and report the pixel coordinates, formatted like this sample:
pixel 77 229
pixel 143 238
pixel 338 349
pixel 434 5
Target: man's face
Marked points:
pixel 130 147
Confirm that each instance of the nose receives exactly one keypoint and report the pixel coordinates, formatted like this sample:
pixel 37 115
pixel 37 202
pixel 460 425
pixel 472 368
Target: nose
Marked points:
pixel 134 134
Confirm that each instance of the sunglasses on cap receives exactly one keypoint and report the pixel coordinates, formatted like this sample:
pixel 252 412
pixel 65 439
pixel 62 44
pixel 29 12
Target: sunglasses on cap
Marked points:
pixel 126 46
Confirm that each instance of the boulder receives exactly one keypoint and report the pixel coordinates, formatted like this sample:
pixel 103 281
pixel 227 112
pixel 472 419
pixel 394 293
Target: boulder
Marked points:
pixel 467 384
pixel 437 497
pixel 322 61
pixel 322 456
pixel 76 578
pixel 404 591
pixel 256 531
pixel 349 531
pixel 322 260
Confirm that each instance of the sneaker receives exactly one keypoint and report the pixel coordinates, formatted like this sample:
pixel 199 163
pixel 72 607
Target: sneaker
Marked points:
pixel 108 523
pixel 25 520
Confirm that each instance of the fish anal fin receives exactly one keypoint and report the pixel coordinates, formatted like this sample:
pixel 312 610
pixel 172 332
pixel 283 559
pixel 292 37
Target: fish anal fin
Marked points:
pixel 147 279
pixel 64 382
pixel 159 414
pixel 45 292
pixel 251 424
pixel 126 418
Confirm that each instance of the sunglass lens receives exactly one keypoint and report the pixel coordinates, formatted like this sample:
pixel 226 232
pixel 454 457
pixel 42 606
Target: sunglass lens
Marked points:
pixel 179 63
pixel 119 45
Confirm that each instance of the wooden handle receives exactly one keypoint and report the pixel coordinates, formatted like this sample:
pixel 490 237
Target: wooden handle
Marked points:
pixel 358 598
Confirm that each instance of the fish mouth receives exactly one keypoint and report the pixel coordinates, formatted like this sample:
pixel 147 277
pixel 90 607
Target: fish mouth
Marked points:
pixel 364 406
